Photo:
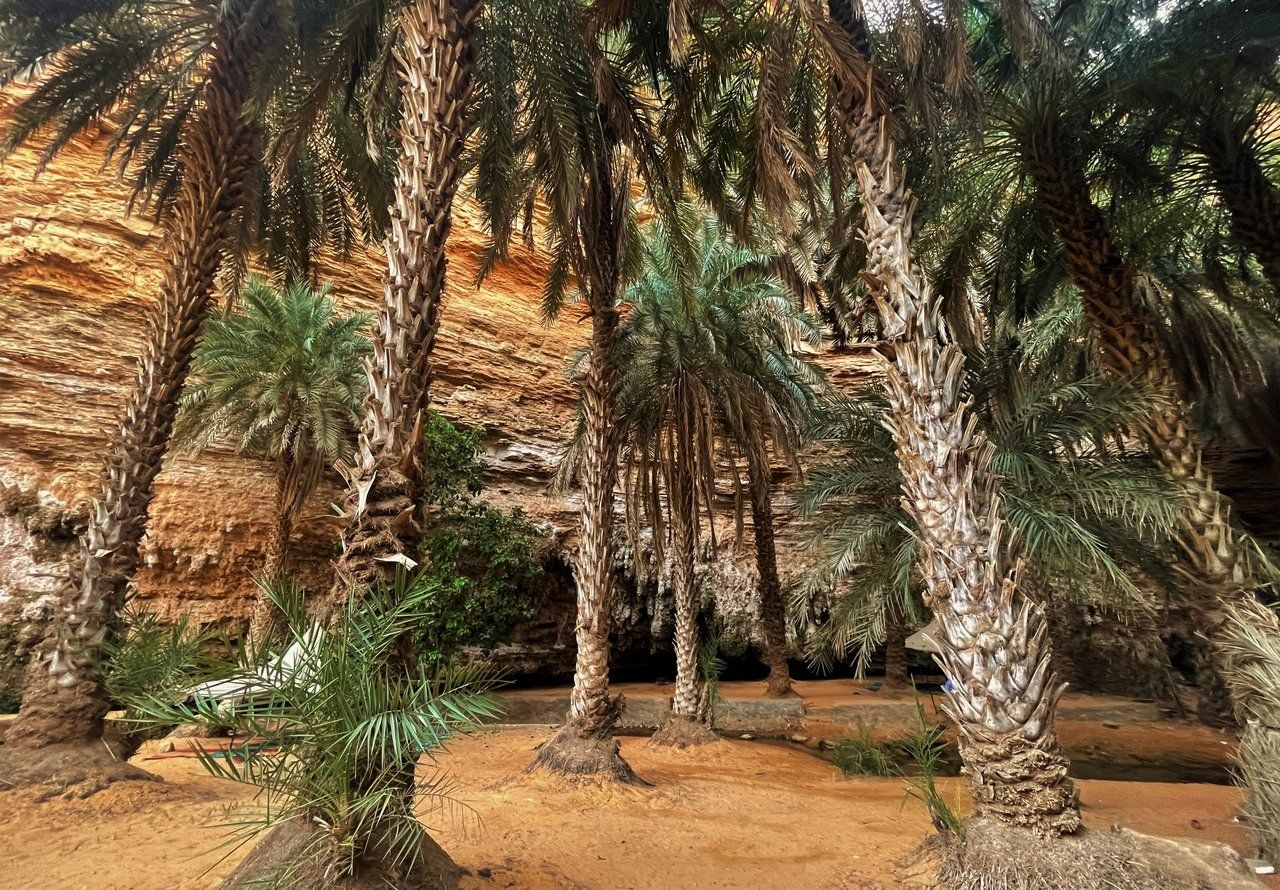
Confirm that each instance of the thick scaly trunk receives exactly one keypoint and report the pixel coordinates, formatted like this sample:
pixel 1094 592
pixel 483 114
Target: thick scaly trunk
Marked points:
pixel 1114 297
pixel 64 701
pixel 584 745
pixel 996 651
pixel 266 617
pixel 1113 303
pixel 384 485
pixel 1251 198
pixel 773 610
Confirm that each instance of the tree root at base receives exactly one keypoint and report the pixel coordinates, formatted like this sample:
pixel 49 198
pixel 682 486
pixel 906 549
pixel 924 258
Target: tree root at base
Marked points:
pixel 79 770
pixel 293 855
pixel 780 690
pixel 995 855
pixel 682 732
pixel 570 752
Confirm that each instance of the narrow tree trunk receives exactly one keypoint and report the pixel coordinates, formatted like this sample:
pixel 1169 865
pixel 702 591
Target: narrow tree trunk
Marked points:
pixel 384 486
pixel 897 673
pixel 1251 198
pixel 773 610
pixel 995 650
pixel 686 702
pixel 265 618
pixel 584 745
pixel 590 704
pixel 687 723
pixel 64 701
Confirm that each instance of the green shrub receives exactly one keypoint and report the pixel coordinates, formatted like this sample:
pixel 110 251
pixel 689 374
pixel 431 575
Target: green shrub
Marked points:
pixel 478 564
pixel 478 561
pixel 451 457
pixel 859 754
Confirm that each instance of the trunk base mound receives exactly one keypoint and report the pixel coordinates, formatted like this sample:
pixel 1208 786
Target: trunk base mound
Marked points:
pixel 292 855
pixel 780 690
pixel 79 770
pixel 682 732
pixel 572 753
pixel 993 854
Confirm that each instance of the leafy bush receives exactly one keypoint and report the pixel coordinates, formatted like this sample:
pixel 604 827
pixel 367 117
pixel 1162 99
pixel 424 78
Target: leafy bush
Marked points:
pixel 859 754
pixel 477 559
pixel 335 729
pixel 477 562
pixel 451 459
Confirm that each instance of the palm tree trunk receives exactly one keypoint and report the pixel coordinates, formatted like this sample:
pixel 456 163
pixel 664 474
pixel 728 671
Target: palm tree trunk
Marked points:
pixel 687 700
pixel 384 486
pixel 897 672
pixel 687 723
pixel 382 524
pixel 584 745
pixel 995 650
pixel 1110 288
pixel 590 705
pixel 1251 198
pixel 773 611
pixel 64 702
pixel 1113 300
pixel 265 616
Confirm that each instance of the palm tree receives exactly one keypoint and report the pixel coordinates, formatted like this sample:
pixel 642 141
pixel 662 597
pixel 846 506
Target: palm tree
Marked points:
pixel 818 83
pixel 425 48
pixel 1097 519
pixel 1048 110
pixel 428 47
pixel 183 84
pixel 995 649
pixel 338 700
pixel 1200 78
pixel 563 122
pixel 706 367
pixel 279 380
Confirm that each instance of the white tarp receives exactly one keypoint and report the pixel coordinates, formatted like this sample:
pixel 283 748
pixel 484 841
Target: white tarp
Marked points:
pixel 289 666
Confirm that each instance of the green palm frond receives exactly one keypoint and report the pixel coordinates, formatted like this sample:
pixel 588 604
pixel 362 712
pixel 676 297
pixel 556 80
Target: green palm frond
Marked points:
pixel 1092 516
pixel 280 379
pixel 332 731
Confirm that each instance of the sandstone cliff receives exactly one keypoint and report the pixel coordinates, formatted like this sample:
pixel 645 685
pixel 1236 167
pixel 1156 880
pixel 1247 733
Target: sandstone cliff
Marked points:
pixel 75 278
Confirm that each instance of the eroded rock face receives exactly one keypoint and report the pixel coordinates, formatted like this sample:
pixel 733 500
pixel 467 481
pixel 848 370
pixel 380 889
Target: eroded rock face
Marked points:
pixel 76 278
pixel 36 542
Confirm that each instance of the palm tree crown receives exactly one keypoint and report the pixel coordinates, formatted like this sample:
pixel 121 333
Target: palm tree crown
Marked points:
pixel 710 368
pixel 279 380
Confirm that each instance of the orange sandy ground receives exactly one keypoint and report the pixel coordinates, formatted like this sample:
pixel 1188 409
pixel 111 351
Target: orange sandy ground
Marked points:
pixel 737 814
